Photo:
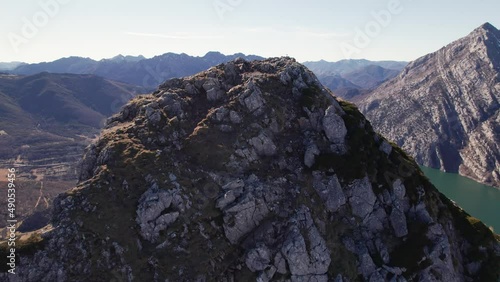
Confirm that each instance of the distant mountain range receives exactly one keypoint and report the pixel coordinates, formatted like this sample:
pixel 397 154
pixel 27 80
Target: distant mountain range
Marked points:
pixel 345 77
pixel 352 78
pixel 147 73
pixel 344 67
pixel 444 107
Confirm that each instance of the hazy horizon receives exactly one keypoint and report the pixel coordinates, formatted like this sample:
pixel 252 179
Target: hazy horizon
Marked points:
pixel 200 56
pixel 400 30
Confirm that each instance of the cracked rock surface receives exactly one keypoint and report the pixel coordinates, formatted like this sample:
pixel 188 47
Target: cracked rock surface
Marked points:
pixel 253 171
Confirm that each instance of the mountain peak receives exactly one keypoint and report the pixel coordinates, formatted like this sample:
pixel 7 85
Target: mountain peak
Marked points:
pixel 488 27
pixel 118 57
pixel 487 32
pixel 128 58
pixel 252 170
pixel 213 53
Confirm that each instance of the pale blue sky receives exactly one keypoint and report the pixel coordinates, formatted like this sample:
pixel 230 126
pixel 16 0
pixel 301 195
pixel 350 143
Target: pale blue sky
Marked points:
pixel 306 30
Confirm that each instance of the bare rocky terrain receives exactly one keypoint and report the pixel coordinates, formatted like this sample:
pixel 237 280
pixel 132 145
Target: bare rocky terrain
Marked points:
pixel 252 171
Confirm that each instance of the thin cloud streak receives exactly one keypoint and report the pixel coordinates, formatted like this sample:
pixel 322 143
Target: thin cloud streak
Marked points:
pixel 169 36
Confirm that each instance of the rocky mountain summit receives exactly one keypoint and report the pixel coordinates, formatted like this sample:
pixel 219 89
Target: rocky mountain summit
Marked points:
pixel 444 107
pixel 252 171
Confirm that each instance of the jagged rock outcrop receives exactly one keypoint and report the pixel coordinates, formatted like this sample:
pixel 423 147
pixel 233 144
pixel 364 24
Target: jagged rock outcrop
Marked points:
pixel 253 172
pixel 444 110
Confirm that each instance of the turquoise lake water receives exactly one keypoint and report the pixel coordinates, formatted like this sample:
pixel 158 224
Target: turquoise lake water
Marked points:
pixel 476 199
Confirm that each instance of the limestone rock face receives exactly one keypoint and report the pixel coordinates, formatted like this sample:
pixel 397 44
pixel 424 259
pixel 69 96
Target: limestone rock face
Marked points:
pixel 444 108
pixel 252 171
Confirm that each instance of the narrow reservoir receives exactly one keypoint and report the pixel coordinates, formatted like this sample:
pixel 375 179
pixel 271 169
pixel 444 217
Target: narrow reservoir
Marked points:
pixel 478 200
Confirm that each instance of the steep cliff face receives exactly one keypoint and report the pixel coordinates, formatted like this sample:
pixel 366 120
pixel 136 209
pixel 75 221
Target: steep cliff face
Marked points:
pixel 444 107
pixel 253 172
